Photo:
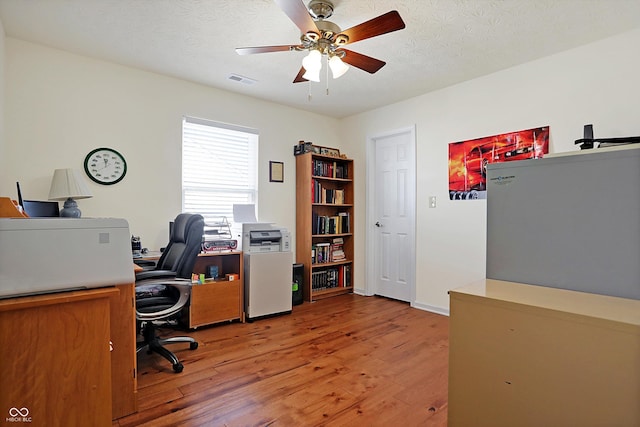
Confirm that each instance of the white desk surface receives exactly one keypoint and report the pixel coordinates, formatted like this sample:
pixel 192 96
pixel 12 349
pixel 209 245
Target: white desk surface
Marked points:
pixel 621 310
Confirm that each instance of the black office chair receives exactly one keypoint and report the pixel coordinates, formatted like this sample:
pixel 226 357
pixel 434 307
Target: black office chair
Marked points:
pixel 163 292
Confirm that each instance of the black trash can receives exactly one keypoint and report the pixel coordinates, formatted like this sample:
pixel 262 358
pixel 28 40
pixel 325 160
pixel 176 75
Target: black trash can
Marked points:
pixel 296 285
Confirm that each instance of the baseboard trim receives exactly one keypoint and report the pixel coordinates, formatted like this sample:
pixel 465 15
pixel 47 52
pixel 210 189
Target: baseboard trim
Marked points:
pixel 431 308
pixel 418 305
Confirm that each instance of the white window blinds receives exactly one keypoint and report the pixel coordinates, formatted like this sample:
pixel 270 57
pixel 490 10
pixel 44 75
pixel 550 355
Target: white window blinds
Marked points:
pixel 219 168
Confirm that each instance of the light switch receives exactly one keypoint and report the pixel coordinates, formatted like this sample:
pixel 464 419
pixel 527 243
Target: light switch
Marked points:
pixel 432 201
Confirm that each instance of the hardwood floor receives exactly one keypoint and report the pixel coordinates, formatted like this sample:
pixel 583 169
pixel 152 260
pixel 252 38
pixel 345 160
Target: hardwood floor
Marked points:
pixel 343 361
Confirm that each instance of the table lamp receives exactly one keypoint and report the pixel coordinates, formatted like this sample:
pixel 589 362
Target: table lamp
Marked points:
pixel 67 185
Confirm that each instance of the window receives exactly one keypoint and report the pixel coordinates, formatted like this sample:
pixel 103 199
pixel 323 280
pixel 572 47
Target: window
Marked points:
pixel 219 168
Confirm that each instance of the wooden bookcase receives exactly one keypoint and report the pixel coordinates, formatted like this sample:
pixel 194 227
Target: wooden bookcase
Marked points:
pixel 324 215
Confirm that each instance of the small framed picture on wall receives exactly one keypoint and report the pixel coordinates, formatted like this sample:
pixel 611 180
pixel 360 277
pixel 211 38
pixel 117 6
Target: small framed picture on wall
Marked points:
pixel 276 171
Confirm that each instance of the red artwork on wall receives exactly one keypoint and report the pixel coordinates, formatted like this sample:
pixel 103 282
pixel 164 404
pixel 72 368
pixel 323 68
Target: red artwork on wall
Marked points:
pixel 468 160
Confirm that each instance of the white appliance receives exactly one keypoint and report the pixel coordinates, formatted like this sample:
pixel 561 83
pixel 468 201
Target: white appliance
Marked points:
pixel 268 264
pixel 41 255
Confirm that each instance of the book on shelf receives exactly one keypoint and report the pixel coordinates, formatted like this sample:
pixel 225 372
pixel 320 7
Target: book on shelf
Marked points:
pixel 347 276
pixel 330 169
pixel 321 194
pixel 337 250
pixel 336 224
pixel 325 252
pixel 330 278
pixel 345 222
pixel 321 253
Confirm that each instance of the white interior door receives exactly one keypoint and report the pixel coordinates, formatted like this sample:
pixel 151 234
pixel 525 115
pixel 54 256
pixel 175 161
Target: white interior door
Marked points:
pixel 391 222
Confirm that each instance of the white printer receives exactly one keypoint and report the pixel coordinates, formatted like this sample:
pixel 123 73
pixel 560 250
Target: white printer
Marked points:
pixel 268 266
pixel 263 237
pixel 41 255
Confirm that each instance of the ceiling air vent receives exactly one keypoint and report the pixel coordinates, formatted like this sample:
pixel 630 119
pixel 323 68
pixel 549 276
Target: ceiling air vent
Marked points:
pixel 241 79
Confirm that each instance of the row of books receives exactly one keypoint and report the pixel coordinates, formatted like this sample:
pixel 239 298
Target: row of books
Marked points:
pixel 336 224
pixel 320 194
pixel 335 277
pixel 326 252
pixel 330 169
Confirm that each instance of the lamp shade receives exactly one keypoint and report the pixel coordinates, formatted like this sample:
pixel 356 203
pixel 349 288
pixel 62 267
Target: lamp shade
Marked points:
pixel 313 61
pixel 312 75
pixel 68 183
pixel 338 67
pixel 312 64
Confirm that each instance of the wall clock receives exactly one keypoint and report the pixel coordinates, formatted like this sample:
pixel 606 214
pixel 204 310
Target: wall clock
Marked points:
pixel 105 166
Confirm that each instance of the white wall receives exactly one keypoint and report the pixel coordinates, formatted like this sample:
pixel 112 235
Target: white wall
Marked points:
pixel 59 106
pixel 3 168
pixel 598 83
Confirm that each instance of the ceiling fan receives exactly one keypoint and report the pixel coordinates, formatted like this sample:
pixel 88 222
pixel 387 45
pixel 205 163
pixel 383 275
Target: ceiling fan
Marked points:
pixel 324 38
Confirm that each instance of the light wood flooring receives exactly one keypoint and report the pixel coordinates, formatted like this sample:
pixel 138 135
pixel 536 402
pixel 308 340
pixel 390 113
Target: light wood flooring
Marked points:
pixel 343 361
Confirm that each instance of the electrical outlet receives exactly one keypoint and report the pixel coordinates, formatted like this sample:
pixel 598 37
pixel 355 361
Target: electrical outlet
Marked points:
pixel 432 201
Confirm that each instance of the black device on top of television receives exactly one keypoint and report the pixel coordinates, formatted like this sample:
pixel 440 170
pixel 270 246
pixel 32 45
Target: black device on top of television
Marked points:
pixel 40 209
pixel 36 208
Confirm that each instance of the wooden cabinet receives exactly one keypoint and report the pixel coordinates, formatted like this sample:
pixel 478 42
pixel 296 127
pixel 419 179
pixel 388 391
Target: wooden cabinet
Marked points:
pixel 524 355
pixel 324 224
pixel 217 300
pixel 56 363
pixel 124 387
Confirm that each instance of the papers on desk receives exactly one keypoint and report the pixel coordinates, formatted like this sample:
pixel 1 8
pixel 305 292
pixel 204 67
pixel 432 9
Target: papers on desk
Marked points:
pixel 244 213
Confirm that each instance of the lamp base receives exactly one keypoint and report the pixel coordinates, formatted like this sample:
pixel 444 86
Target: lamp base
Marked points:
pixel 70 209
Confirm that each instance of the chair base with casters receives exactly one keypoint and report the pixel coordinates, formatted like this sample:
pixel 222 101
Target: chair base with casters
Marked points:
pixel 154 344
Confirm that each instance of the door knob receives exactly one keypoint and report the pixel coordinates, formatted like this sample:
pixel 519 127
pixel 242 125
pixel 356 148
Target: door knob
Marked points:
pixel 378 224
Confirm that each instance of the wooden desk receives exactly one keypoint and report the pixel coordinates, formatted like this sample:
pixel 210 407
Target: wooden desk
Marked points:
pixel 56 363
pixel 56 360
pixel 524 355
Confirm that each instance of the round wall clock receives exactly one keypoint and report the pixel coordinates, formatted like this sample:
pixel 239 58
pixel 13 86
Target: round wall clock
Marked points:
pixel 105 166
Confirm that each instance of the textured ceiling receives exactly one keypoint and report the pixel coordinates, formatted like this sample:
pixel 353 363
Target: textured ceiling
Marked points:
pixel 444 42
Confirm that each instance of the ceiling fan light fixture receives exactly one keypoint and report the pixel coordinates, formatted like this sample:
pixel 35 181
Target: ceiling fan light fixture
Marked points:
pixel 312 75
pixel 338 68
pixel 312 62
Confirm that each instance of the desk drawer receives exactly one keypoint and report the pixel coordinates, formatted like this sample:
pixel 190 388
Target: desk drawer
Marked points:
pixel 214 302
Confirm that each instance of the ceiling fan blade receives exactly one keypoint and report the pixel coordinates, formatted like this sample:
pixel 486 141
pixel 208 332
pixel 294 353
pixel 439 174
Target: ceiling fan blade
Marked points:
pixel 298 13
pixel 299 77
pixel 263 49
pixel 364 62
pixel 383 24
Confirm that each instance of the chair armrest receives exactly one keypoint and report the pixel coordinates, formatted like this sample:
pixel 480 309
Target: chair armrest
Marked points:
pixel 155 274
pixel 183 286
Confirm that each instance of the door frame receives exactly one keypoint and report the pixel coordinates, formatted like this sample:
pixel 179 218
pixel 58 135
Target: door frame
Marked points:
pixel 371 235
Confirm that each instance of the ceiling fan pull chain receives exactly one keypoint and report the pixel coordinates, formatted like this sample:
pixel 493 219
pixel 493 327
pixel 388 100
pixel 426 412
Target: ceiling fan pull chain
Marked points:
pixel 327 70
